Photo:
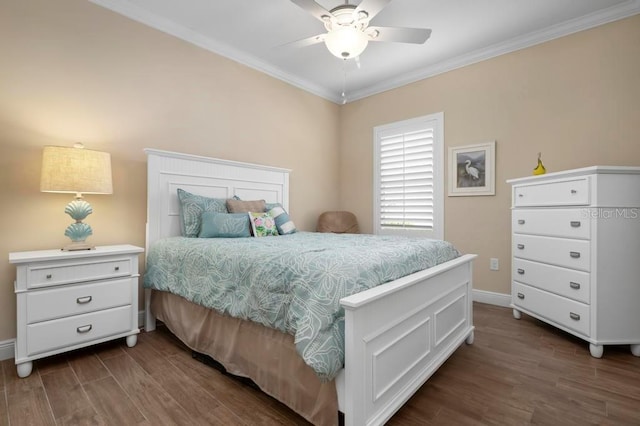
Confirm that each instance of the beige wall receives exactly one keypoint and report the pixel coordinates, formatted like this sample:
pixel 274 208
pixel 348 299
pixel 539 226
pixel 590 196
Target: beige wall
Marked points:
pixel 576 99
pixel 71 71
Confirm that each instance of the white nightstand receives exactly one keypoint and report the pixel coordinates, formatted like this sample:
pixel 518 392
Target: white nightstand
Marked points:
pixel 68 300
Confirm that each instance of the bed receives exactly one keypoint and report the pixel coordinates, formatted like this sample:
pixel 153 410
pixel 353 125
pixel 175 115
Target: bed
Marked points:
pixel 396 335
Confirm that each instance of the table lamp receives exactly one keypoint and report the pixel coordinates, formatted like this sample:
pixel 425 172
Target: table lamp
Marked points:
pixel 80 171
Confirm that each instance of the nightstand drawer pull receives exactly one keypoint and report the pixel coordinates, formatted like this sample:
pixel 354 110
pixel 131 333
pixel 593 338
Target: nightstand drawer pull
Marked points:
pixel 521 271
pixel 117 268
pixel 573 191
pixel 84 329
pixel 83 300
pixel 574 254
pixel 574 285
pixel 575 224
pixel 574 316
pixel 520 221
pixel 521 246
pixel 49 276
pixel 520 296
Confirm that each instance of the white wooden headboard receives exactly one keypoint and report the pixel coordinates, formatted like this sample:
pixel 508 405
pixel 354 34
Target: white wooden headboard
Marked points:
pixel 210 177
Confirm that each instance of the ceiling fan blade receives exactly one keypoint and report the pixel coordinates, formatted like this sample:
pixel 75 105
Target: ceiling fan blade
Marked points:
pixel 306 41
pixel 400 35
pixel 313 8
pixel 372 7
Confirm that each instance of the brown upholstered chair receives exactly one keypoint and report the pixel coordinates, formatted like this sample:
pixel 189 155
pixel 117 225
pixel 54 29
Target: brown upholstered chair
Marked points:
pixel 338 223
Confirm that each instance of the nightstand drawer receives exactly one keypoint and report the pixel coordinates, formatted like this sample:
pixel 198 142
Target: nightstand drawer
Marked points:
pixel 55 273
pixel 565 282
pixel 79 299
pixel 67 332
pixel 571 192
pixel 567 313
pixel 567 223
pixel 563 252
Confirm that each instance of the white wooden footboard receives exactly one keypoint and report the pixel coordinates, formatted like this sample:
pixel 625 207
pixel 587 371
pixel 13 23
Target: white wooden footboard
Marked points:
pixel 398 334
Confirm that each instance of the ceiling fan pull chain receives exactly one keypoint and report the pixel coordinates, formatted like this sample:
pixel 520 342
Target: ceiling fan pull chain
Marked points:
pixel 344 81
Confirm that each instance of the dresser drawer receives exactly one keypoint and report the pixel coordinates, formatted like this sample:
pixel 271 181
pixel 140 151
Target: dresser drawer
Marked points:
pixel 564 312
pixel 574 254
pixel 565 282
pixel 66 332
pixel 567 223
pixel 570 192
pixel 55 273
pixel 78 299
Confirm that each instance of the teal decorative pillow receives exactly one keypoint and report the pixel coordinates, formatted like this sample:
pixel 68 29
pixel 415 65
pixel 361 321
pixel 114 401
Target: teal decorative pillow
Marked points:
pixel 284 224
pixel 224 225
pixel 262 224
pixel 191 208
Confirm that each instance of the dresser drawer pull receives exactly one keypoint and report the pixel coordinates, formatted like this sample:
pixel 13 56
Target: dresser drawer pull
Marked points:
pixel 83 300
pixel 84 329
pixel 521 246
pixel 117 268
pixel 574 285
pixel 574 254
pixel 574 316
pixel 575 224
pixel 49 276
pixel 573 191
pixel 521 195
pixel 521 271
pixel 520 296
pixel 520 221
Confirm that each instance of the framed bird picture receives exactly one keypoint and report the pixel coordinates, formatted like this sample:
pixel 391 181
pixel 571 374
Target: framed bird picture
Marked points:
pixel 472 169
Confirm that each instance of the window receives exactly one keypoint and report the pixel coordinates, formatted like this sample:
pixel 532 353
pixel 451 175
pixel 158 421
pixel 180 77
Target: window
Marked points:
pixel 408 177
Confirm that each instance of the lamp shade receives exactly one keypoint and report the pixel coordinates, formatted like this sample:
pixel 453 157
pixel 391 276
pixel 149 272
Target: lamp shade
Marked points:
pixel 346 42
pixel 75 170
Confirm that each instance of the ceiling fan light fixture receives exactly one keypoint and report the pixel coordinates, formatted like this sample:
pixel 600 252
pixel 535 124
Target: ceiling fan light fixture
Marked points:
pixel 346 42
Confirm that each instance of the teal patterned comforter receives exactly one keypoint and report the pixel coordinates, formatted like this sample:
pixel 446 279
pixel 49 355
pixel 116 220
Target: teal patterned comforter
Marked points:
pixel 293 283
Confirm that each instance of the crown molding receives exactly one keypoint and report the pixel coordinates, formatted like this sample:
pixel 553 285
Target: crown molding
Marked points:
pixel 614 13
pixel 131 11
pixel 605 16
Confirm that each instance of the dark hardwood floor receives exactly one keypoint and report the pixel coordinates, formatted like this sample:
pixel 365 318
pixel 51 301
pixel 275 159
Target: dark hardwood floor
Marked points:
pixel 516 373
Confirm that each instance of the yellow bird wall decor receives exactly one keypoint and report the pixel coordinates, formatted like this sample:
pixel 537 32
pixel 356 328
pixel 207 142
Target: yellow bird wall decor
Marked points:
pixel 539 170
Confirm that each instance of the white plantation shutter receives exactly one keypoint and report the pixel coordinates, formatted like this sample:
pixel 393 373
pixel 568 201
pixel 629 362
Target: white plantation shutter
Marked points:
pixel 406 180
pixel 408 177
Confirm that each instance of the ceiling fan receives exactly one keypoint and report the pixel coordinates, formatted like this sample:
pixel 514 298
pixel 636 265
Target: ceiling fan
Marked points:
pixel 348 31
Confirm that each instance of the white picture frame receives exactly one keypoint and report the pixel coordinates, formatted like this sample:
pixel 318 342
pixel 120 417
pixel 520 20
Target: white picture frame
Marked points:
pixel 472 170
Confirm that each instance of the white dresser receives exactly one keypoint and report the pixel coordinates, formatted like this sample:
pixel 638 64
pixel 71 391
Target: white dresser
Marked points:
pixel 576 253
pixel 71 299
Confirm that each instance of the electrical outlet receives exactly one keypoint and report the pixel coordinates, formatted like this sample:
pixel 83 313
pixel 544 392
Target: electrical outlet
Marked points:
pixel 494 265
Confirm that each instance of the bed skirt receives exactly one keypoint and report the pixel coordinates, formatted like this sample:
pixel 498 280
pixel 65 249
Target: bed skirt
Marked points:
pixel 264 355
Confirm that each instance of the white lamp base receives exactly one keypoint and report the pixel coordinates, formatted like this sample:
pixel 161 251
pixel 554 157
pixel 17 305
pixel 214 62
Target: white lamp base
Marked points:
pixel 78 245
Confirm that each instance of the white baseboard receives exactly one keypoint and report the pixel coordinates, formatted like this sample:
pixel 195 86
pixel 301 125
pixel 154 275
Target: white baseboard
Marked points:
pixel 7 349
pixel 492 298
